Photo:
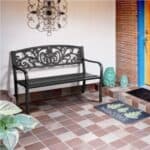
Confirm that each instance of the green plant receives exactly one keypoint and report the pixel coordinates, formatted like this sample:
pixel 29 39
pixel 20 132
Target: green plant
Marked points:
pixel 11 121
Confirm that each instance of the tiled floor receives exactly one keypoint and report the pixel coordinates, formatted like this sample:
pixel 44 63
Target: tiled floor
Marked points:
pixel 72 123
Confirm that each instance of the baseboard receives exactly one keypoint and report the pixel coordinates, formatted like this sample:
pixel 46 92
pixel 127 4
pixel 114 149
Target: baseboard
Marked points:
pixel 4 95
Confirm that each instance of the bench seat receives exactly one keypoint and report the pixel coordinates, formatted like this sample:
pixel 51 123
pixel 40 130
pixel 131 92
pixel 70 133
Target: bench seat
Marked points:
pixel 46 81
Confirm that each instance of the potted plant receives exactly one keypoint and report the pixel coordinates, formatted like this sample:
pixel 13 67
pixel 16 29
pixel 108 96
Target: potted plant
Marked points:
pixel 11 122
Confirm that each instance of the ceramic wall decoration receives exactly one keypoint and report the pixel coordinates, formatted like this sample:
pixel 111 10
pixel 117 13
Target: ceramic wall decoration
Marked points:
pixel 123 81
pixel 109 78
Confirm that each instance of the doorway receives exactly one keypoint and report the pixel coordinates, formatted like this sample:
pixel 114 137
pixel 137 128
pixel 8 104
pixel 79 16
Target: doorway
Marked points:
pixel 147 42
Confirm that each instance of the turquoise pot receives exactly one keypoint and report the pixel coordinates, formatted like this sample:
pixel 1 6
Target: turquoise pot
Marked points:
pixel 109 78
pixel 124 81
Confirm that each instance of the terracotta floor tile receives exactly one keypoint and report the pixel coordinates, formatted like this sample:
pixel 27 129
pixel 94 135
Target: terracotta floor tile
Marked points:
pixel 141 134
pixel 80 131
pixel 93 128
pixel 147 121
pixel 83 147
pixel 28 140
pixel 73 127
pixel 131 129
pixel 78 118
pixel 118 144
pixel 140 144
pixel 100 133
pixel 51 141
pixel 35 146
pixel 67 122
pixel 27 134
pixel 43 117
pixel 129 139
pixel 96 143
pixel 45 135
pixel 61 118
pixel 59 131
pixel 112 128
pixel 39 130
pixel 59 146
pixel 107 147
pixel 74 142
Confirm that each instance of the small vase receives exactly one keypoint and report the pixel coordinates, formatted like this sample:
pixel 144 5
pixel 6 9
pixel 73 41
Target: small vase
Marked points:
pixel 124 81
pixel 109 78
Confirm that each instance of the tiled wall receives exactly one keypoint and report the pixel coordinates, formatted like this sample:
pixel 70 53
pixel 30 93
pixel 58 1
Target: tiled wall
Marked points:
pixel 126 38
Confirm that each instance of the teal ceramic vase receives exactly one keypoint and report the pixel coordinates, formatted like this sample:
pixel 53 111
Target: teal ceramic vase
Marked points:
pixel 109 78
pixel 124 81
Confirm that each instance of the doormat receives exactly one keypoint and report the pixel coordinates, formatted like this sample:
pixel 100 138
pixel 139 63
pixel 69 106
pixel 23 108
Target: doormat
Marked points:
pixel 141 93
pixel 122 112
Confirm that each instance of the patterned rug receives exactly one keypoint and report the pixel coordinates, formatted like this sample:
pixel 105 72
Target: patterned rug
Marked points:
pixel 122 112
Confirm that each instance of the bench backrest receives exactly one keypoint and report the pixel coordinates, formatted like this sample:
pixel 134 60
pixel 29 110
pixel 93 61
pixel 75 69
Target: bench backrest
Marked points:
pixel 49 55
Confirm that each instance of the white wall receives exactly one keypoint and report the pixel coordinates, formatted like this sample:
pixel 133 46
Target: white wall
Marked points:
pixel 91 23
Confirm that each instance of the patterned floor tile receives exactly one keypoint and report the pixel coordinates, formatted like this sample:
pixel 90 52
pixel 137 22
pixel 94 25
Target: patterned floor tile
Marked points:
pixel 37 146
pixel 139 144
pixel 59 146
pixel 96 143
pixel 28 140
pixel 72 123
pixel 74 142
pixel 51 141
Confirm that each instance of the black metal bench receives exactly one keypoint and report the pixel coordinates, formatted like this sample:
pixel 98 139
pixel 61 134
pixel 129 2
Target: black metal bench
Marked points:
pixel 50 56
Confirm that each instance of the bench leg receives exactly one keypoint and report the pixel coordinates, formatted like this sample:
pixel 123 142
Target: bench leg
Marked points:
pixel 16 93
pixel 100 91
pixel 27 100
pixel 83 86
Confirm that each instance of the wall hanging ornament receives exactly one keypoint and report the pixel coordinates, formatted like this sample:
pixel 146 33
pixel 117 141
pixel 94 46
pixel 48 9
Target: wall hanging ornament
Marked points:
pixel 47 15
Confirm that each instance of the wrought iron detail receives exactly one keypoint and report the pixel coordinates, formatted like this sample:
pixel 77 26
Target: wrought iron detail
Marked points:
pixel 47 56
pixel 47 15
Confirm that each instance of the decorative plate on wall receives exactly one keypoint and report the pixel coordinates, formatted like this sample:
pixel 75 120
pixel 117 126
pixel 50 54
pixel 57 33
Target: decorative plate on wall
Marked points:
pixel 47 15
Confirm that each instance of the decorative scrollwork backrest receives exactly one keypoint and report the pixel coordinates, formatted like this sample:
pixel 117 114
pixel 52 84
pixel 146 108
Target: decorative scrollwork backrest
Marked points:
pixel 50 55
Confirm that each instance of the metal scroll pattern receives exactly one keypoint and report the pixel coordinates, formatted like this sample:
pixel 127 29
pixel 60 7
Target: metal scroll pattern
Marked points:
pixel 47 15
pixel 38 57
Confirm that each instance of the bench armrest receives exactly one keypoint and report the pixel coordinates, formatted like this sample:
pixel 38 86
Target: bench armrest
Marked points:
pixel 96 62
pixel 22 70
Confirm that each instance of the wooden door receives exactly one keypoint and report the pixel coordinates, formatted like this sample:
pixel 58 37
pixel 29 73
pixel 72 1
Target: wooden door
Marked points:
pixel 147 41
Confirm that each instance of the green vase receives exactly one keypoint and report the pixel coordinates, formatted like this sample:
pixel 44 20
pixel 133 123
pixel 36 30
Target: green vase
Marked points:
pixel 124 81
pixel 109 78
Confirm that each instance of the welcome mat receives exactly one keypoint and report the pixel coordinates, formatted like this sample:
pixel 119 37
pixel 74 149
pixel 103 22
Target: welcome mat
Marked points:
pixel 122 112
pixel 141 93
